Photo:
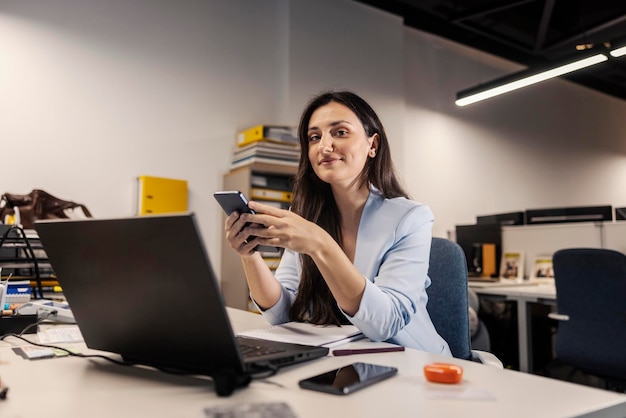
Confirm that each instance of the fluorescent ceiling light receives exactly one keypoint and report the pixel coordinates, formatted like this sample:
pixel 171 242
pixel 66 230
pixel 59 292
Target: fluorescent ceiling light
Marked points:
pixel 619 52
pixel 523 79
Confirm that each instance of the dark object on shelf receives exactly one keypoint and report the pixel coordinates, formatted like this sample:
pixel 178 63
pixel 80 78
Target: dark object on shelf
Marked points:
pixel 38 204
pixel 509 218
pixel 620 214
pixel 570 214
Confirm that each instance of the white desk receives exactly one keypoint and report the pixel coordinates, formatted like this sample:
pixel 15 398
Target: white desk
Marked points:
pixel 544 293
pixel 74 387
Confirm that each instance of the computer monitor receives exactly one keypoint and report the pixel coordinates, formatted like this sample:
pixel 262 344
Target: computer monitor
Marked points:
pixel 569 214
pixel 469 236
pixel 509 218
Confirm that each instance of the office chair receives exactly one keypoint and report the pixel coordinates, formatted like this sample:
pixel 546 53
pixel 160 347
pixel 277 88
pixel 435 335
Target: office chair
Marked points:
pixel 480 339
pixel 591 294
pixel 448 300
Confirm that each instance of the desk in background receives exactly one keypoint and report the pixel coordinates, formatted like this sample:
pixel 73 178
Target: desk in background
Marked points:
pixel 74 387
pixel 544 293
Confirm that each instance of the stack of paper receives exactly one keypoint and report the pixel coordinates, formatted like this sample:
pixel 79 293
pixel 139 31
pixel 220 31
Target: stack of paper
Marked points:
pixel 307 334
pixel 266 144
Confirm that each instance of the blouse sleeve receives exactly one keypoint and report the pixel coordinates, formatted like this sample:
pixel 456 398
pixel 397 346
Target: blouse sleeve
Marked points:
pixel 396 292
pixel 288 274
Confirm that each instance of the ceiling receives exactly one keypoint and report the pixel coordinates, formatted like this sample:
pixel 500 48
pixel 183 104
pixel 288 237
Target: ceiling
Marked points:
pixel 532 33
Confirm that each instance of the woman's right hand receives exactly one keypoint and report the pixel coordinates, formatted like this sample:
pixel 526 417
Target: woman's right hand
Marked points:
pixel 263 286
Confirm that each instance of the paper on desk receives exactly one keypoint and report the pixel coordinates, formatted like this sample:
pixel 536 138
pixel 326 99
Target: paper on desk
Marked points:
pixel 251 410
pixel 60 334
pixel 307 334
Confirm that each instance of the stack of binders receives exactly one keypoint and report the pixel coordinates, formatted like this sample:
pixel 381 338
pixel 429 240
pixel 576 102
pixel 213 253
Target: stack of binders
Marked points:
pixel 266 144
pixel 274 190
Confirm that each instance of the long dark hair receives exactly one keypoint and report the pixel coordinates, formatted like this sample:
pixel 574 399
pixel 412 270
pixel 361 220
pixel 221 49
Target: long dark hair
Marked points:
pixel 313 200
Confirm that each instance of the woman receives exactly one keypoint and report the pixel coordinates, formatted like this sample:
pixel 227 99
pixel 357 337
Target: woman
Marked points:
pixel 356 248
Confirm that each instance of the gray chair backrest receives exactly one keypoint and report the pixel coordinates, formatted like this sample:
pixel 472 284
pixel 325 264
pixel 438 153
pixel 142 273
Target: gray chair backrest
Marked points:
pixel 448 297
pixel 591 290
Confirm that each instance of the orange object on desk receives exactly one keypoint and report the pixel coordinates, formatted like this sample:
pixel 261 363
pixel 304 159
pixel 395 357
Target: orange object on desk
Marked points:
pixel 443 373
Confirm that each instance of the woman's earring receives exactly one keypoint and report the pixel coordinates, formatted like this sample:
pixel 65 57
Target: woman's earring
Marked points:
pixel 372 152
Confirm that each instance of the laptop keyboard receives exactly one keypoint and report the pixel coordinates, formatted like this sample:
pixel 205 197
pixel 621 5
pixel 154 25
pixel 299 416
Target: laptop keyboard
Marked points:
pixel 251 350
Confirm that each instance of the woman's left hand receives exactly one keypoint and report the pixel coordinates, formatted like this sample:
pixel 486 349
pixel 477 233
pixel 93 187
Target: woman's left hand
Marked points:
pixel 283 229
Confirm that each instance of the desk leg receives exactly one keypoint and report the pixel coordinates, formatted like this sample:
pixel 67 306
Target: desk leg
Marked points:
pixel 524 336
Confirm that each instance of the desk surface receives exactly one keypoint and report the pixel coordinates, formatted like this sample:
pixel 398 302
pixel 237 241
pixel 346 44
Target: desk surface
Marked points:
pixel 74 387
pixel 545 290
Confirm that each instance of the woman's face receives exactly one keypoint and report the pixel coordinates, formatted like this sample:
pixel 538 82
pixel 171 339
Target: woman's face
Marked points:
pixel 338 144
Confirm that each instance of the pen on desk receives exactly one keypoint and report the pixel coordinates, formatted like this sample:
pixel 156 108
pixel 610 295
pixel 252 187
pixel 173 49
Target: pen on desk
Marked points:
pixel 349 352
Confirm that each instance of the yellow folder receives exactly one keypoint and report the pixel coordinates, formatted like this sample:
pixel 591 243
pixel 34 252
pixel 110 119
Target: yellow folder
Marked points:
pixel 270 194
pixel 271 133
pixel 489 260
pixel 161 195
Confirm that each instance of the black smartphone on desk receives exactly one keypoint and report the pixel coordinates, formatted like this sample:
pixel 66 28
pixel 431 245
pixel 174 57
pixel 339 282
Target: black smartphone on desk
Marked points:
pixel 348 379
pixel 235 201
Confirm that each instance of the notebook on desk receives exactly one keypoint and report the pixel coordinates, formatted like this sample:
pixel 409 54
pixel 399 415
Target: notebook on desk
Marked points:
pixel 144 287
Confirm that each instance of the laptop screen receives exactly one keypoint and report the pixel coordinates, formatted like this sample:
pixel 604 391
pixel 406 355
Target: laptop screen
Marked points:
pixel 143 287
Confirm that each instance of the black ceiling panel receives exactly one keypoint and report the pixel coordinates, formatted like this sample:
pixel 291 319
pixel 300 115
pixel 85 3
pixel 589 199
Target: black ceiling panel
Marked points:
pixel 528 32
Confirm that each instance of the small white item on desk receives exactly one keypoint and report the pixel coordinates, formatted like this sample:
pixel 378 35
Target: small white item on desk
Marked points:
pixel 32 352
pixel 59 334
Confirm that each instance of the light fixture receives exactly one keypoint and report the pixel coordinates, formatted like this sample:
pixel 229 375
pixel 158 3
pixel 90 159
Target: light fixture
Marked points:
pixel 618 52
pixel 526 78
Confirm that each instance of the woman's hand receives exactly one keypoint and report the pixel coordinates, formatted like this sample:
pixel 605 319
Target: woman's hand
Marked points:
pixel 237 237
pixel 263 286
pixel 282 228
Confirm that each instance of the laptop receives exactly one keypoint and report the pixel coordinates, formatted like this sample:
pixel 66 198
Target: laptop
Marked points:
pixel 144 287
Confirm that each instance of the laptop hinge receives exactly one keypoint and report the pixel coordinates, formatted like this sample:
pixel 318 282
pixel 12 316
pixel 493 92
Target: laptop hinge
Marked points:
pixel 226 381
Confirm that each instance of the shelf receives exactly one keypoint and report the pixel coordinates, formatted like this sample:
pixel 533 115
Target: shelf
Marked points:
pixel 266 168
pixel 233 280
pixel 22 257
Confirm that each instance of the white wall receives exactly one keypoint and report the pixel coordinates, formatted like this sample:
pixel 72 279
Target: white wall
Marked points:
pixel 346 45
pixel 94 93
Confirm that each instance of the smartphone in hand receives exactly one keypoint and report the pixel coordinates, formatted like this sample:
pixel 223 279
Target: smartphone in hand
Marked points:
pixel 235 201
pixel 348 379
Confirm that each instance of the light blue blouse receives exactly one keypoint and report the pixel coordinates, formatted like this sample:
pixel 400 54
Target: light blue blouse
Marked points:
pixel 392 253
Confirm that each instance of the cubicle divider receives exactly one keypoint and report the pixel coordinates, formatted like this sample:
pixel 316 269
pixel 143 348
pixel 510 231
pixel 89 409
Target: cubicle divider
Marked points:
pixel 537 241
pixel 615 236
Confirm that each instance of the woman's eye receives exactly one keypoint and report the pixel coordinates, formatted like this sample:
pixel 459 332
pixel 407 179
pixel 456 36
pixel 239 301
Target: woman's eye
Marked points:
pixel 314 138
pixel 341 132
